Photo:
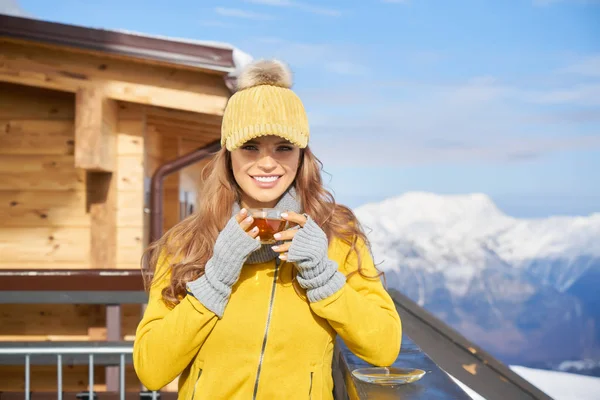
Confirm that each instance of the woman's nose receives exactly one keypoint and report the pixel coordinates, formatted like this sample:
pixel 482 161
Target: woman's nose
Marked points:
pixel 267 163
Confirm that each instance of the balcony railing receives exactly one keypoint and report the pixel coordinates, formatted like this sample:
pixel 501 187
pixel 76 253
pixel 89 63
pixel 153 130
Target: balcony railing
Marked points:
pixel 436 384
pixel 121 287
pixel 26 353
pixel 440 349
pixel 60 354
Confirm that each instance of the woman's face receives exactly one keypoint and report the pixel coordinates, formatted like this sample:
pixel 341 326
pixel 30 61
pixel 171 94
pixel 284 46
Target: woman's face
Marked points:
pixel 264 168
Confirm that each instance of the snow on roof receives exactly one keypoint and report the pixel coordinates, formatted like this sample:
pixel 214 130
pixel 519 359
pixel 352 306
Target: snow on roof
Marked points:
pixel 240 58
pixel 213 55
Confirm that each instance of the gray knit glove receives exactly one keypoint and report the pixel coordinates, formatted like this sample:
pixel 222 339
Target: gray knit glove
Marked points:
pixel 232 248
pixel 316 272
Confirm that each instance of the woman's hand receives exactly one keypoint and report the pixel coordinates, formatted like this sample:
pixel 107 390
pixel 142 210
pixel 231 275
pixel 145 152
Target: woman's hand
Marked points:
pixel 245 222
pixel 289 234
pixel 307 248
pixel 222 270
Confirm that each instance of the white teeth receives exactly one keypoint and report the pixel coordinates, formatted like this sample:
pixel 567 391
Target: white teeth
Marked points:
pixel 266 178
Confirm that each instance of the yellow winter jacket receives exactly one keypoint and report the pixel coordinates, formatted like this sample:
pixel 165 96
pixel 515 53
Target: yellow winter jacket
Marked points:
pixel 270 343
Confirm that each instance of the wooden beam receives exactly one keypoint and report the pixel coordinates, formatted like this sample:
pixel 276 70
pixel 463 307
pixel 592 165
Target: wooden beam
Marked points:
pixel 153 147
pixel 200 136
pixel 164 97
pixel 102 206
pixel 69 62
pixel 175 124
pixel 133 81
pixel 95 135
pixel 184 116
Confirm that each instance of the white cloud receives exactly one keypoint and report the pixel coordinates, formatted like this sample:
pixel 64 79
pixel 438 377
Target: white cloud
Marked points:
pixel 582 94
pixel 424 57
pixel 269 40
pixel 545 2
pixel 300 54
pixel 320 10
pixel 345 68
pixel 375 149
pixel 12 7
pixel 238 13
pixel 362 119
pixel 331 12
pixel 322 57
pixel 280 3
pixel 216 24
pixel 584 116
pixel 586 66
pixel 480 119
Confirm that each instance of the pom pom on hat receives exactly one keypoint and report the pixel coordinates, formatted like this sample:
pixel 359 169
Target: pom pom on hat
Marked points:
pixel 265 72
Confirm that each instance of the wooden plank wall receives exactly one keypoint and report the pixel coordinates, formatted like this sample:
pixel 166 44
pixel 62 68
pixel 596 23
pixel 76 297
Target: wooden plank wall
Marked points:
pixel 42 195
pixel 46 222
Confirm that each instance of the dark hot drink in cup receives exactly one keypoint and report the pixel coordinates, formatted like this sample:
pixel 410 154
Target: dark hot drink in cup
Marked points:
pixel 269 222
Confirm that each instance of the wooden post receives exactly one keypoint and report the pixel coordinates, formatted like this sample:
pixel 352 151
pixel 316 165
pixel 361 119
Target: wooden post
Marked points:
pixel 101 199
pixel 131 138
pixel 95 151
pixel 171 185
pixel 95 135
pixel 96 120
pixel 160 149
pixel 113 334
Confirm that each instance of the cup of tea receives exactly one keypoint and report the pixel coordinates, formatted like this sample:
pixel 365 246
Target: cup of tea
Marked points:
pixel 269 221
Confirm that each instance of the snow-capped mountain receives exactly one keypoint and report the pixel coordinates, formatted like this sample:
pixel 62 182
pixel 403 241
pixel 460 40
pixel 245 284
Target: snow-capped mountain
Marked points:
pixel 558 385
pixel 518 286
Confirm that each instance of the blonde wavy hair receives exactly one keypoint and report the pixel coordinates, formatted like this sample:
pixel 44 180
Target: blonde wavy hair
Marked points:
pixel 191 241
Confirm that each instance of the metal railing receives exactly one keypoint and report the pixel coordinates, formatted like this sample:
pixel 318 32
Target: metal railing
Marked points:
pixel 29 352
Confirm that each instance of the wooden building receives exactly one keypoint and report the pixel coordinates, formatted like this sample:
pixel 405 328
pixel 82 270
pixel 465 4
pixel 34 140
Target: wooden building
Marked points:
pixel 86 118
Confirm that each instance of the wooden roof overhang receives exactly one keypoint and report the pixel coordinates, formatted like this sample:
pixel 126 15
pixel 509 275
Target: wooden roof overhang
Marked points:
pixel 183 85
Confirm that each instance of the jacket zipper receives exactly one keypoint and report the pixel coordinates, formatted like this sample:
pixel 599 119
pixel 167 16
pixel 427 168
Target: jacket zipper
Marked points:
pixel 310 388
pixel 264 344
pixel 196 384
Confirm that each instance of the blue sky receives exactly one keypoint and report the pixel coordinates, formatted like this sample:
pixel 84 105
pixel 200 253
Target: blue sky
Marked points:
pixel 499 97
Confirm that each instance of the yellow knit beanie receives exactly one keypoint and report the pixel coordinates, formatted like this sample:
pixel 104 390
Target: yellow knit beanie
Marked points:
pixel 264 104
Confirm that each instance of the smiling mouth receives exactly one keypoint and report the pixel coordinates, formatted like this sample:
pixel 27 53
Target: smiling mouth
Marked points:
pixel 266 179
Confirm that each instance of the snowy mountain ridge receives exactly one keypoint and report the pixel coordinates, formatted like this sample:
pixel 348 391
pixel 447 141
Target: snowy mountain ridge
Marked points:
pixel 558 385
pixel 458 235
pixel 521 288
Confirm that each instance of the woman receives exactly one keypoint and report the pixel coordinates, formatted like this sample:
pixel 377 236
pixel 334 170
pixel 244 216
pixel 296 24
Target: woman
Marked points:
pixel 237 319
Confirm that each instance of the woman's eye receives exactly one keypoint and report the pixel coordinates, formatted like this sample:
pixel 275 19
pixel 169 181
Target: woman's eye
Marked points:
pixel 249 147
pixel 285 148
